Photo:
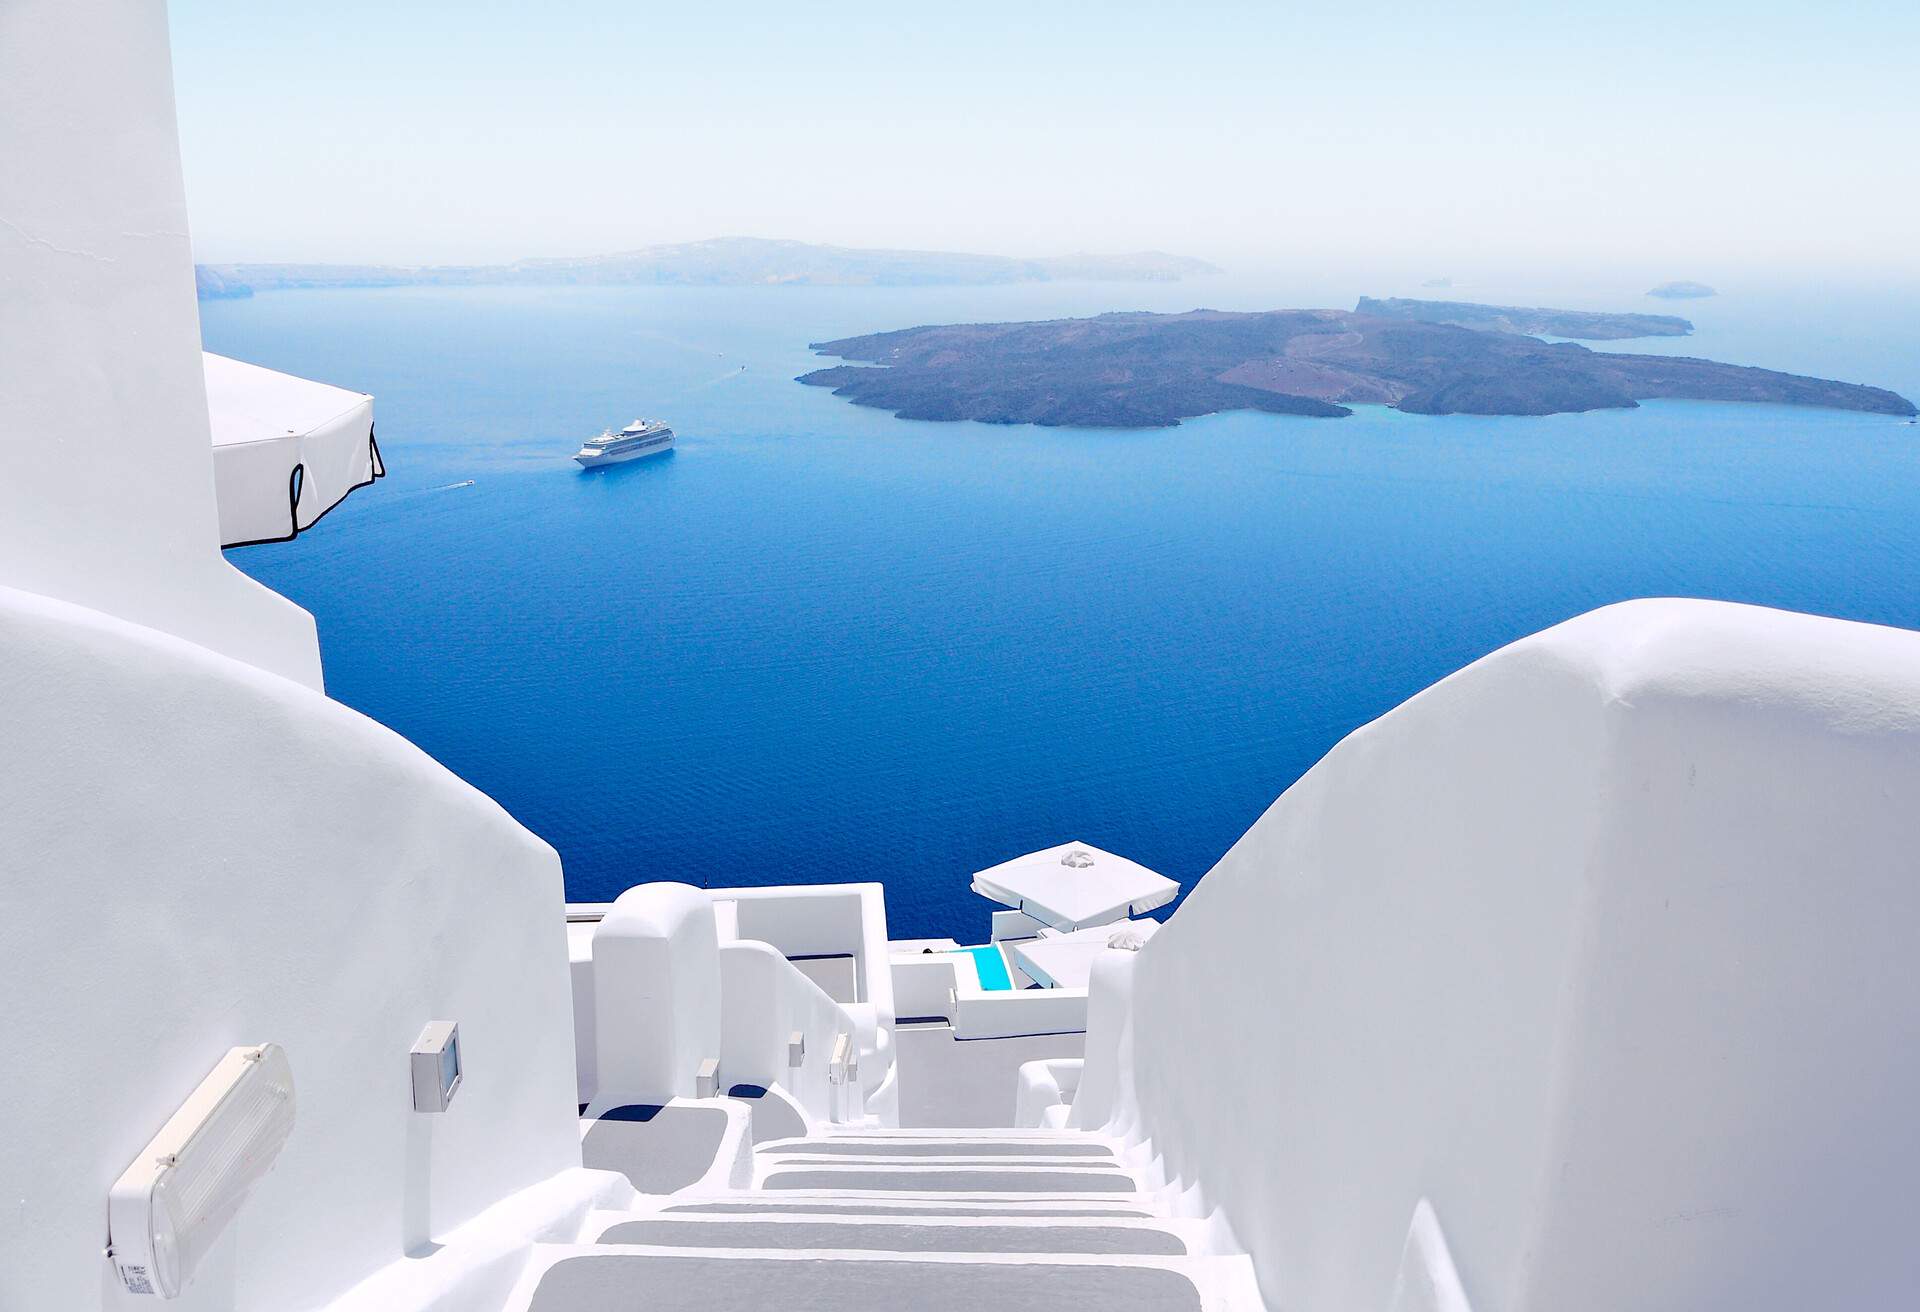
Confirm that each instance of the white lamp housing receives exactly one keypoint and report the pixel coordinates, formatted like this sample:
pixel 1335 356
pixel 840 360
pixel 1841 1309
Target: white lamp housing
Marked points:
pixel 436 1066
pixel 843 1065
pixel 167 1208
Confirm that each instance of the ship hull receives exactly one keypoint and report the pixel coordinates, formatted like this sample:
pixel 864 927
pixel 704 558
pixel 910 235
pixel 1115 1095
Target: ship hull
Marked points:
pixel 597 459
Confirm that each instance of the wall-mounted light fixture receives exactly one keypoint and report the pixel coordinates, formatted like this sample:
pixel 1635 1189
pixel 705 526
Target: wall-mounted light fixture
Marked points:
pixel 166 1209
pixel 436 1066
pixel 844 1064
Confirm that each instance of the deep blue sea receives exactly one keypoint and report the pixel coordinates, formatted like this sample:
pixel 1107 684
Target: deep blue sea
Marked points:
pixel 817 643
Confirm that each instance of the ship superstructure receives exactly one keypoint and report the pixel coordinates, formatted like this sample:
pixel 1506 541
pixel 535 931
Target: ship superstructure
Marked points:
pixel 642 437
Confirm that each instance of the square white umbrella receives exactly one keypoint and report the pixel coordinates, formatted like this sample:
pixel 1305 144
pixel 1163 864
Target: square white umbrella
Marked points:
pixel 286 450
pixel 1065 961
pixel 1075 885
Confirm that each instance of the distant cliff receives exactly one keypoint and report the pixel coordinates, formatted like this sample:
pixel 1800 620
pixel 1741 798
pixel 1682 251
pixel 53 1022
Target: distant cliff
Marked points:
pixel 209 284
pixel 1150 370
pixel 1585 325
pixel 727 261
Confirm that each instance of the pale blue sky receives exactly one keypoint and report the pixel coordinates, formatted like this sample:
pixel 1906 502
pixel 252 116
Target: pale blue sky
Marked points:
pixel 1689 139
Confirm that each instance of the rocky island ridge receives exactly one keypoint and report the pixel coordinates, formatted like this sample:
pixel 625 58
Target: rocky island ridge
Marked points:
pixel 1144 370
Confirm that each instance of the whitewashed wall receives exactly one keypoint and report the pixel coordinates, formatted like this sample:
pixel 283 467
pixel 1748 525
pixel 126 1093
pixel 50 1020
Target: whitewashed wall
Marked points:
pixel 656 994
pixel 106 464
pixel 765 1001
pixel 1604 945
pixel 196 854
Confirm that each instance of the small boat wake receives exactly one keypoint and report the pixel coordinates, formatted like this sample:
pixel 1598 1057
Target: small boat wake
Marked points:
pixel 726 377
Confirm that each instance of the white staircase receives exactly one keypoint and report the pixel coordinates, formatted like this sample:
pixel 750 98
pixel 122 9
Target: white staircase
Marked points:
pixel 783 1187
pixel 852 1218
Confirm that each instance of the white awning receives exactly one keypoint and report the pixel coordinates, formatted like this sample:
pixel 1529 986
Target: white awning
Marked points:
pixel 1075 885
pixel 1065 961
pixel 285 450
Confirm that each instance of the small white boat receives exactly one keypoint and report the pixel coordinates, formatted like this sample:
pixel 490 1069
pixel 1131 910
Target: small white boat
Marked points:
pixel 642 437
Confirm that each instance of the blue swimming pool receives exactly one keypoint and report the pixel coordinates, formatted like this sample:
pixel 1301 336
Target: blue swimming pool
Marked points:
pixel 991 967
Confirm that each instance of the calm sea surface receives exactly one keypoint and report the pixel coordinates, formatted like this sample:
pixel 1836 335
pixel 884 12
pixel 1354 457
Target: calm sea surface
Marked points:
pixel 818 643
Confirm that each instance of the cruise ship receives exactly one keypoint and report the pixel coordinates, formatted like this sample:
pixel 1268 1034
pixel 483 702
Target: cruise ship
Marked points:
pixel 642 437
pixel 1582 980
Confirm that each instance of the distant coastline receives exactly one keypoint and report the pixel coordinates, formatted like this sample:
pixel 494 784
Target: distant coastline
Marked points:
pixel 722 262
pixel 1423 357
pixel 210 284
pixel 1581 325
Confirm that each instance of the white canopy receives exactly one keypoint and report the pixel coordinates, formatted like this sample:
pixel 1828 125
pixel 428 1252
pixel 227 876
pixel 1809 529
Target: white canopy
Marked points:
pixel 1075 885
pixel 285 450
pixel 1065 961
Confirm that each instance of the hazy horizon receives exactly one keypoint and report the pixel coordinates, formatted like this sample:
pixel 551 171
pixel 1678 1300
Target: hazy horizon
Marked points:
pixel 1638 142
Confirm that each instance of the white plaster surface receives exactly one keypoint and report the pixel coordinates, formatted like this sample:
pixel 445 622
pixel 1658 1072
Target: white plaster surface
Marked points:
pixel 1097 1090
pixel 687 1144
pixel 907 1205
pixel 845 1144
pixel 1012 1013
pixel 811 920
pixel 1427 1281
pixel 923 983
pixel 616 1278
pixel 837 919
pixel 477 1265
pixel 1604 946
pixel 901 1234
pixel 946 1081
pixel 656 994
pixel 1044 1100
pixel 195 854
pixel 106 468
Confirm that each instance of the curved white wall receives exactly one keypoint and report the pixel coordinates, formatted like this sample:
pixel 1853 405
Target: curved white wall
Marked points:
pixel 106 462
pixel 196 854
pixel 656 994
pixel 1605 946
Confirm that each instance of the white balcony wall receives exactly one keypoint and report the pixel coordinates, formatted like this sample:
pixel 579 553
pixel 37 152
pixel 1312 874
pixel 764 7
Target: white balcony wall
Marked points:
pixel 1604 946
pixel 923 984
pixel 195 854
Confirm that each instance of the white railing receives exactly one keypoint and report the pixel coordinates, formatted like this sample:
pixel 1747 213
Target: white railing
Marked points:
pixel 779 1028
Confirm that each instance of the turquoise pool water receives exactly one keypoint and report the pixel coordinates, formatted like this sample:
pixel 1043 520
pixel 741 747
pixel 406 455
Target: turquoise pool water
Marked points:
pixel 991 966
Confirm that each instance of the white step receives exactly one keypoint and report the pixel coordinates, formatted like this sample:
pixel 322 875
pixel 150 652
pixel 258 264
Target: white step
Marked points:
pixel 867 1146
pixel 620 1278
pixel 901 1234
pixel 956 1178
pixel 831 1203
pixel 679 1145
pixel 1061 1134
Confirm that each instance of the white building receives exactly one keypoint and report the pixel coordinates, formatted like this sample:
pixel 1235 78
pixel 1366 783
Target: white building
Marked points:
pixel 1581 981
